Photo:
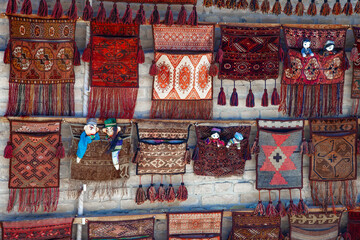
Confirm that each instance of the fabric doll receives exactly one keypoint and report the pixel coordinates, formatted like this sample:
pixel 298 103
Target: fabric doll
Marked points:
pixel 329 48
pixel 90 133
pixel 215 137
pixel 306 48
pixel 112 131
pixel 235 140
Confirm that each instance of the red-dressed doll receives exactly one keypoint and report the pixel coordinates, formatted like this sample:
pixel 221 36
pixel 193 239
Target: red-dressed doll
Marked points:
pixel 215 137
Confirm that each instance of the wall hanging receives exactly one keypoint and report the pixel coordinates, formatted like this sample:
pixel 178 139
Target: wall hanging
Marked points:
pixel 162 149
pixel 249 52
pixel 221 150
pixel 355 86
pixel 182 85
pixel 314 69
pixel 333 162
pixel 42 53
pixel 353 226
pixel 34 149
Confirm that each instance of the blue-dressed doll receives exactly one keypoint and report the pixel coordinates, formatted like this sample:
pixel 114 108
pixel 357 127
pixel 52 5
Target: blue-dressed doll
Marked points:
pixel 90 133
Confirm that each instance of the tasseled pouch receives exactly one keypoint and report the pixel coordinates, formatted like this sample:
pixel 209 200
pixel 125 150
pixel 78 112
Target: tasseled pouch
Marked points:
pixel 208 3
pixel 230 4
pixel 193 17
pixel 72 12
pixel 57 11
pixel 11 7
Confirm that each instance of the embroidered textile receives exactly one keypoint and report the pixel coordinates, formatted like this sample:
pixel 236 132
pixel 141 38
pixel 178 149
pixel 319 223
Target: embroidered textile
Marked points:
pixel 313 86
pixel 114 70
pixel 221 161
pixel 250 53
pixel 53 228
pixel 355 86
pixel 249 226
pixel 34 165
pixel 192 2
pixel 317 226
pixel 195 223
pixel 353 226
pixel 186 38
pixel 126 229
pixel 41 66
pixel 279 162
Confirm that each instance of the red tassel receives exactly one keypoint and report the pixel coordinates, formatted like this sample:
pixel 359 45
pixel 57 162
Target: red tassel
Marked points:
pixel 275 98
pixel 87 53
pixel 234 100
pixel 255 147
pixel 114 15
pixel 299 9
pixel 60 151
pixel 346 236
pixel 26 7
pixel 127 18
pixel 325 9
pixel 208 3
pixel 57 11
pixel 348 9
pixel 336 8
pixel 182 16
pixel 170 193
pixel 219 56
pixel 182 193
pixel 193 17
pixel 140 17
pixel 151 192
pixel 280 207
pixel 357 7
pixel 8 151
pixel 153 69
pixel 7 54
pixel 254 5
pixel 292 209
pixel 101 15
pixel 77 61
pixel 302 208
pixel 221 97
pixel 160 195
pixel 169 19
pixel 265 99
pixel 72 12
pixel 43 9
pixel 259 209
pixel 354 56
pixel 276 8
pixel 141 55
pixel 250 100
pixel 140 195
pixel 155 17
pixel 11 7
pixel 288 8
pixel 214 70
pixel 270 209
pixel 265 6
pixel 242 4
pixel 312 8
pixel 88 11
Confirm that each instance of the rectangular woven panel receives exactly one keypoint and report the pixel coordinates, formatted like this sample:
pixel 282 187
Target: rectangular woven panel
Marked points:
pixel 355 86
pixel 353 226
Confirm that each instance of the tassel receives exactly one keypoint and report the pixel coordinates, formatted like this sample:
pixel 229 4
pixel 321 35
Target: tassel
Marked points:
pixel 292 209
pixel 265 6
pixel 312 8
pixel 242 4
pixel 26 7
pixel 250 101
pixel 219 56
pixel 72 12
pixel 140 197
pixel 231 4
pixel 280 207
pixel 101 15
pixel 325 9
pixel 87 53
pixel 114 15
pixel 76 56
pixel 221 97
pixel 276 8
pixel 214 70
pixel 275 98
pixel 43 9
pixel 354 56
pixel 88 11
pixel 302 207
pixel 234 101
pixel 299 9
pixel 57 11
pixel 311 147
pixel 11 7
pixel 8 151
pixel 193 17
pixel 170 193
pixel 288 8
pixel 220 3
pixel 348 9
pixel 160 195
pixel 140 17
pixel 60 151
pixel 346 236
pixel 153 69
pixel 154 17
pixel 270 209
pixel 254 5
pixel 169 19
pixel 151 191
pixel 255 147
pixel 182 193
pixel 182 16
pixel 336 8
pixel 141 55
pixel 357 7
pixel 265 98
pixel 7 54
pixel 259 209
pixel 208 3
pixel 304 149
pixel 127 17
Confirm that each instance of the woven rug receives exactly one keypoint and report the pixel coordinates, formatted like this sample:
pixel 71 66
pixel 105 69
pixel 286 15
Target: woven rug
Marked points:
pixel 113 70
pixel 41 66
pixel 249 226
pixel 317 226
pixel 34 165
pixel 355 85
pixel 211 160
pixel 313 86
pixel 126 229
pixel 333 164
pixel 250 53
pixel 192 224
pixel 353 226
pixel 53 228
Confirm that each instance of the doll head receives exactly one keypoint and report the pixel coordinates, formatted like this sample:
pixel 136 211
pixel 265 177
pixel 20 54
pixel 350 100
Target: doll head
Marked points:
pixel 329 46
pixel 238 136
pixel 111 127
pixel 306 43
pixel 91 127
pixel 215 133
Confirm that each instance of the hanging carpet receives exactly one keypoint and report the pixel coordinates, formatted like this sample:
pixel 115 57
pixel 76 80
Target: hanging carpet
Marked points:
pixel 355 85
pixel 353 226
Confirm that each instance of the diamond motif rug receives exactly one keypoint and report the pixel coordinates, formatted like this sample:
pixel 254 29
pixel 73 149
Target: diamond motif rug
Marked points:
pixel 34 165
